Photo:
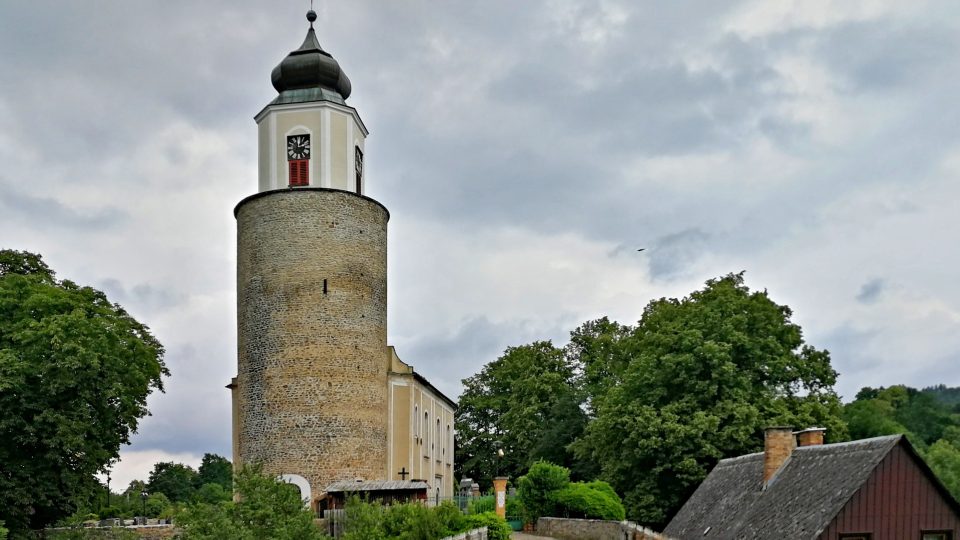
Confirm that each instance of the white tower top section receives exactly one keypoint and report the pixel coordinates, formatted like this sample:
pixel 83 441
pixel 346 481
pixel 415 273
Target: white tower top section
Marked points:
pixel 308 136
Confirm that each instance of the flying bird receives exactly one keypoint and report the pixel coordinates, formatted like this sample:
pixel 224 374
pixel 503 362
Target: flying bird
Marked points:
pixel 642 249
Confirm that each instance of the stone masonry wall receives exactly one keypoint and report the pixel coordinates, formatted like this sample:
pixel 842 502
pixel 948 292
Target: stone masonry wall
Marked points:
pixel 594 529
pixel 312 365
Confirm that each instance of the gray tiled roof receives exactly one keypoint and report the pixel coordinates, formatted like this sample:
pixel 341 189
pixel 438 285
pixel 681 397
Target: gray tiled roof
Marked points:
pixel 799 502
pixel 375 485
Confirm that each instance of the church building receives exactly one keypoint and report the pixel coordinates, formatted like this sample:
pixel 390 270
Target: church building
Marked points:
pixel 320 398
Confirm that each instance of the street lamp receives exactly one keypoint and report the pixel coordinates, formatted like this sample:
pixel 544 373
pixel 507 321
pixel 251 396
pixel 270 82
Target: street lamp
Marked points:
pixel 143 498
pixel 497 445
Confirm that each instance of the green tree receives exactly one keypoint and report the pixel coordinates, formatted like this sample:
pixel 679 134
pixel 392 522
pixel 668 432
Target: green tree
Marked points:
pixel 75 373
pixel 871 418
pixel 702 377
pixel 900 409
pixel 215 469
pixel 211 493
pixel 944 460
pixel 267 508
pixel 509 403
pixel 536 489
pixel 175 480
pixel 602 350
pixel 564 423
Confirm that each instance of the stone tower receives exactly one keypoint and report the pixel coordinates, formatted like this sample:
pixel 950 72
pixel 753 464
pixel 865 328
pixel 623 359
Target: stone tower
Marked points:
pixel 310 396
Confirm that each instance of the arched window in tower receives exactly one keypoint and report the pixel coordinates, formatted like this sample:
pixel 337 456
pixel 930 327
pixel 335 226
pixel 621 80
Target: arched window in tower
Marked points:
pixel 359 169
pixel 298 159
pixel 416 423
pixel 439 441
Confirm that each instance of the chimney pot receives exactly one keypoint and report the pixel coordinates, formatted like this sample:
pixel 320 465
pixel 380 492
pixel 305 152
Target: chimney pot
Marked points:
pixel 778 444
pixel 811 436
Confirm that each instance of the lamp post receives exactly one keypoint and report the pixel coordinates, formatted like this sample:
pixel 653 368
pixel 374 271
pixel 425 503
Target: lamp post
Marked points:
pixel 499 484
pixel 143 498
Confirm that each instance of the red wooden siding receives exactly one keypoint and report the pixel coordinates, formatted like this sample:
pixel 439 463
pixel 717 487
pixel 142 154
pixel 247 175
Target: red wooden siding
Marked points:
pixel 897 502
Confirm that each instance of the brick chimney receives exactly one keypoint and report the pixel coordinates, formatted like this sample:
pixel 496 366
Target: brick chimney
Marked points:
pixel 778 444
pixel 811 436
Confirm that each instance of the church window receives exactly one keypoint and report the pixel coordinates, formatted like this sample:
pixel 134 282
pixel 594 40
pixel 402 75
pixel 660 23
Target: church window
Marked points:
pixel 439 441
pixel 416 422
pixel 426 426
pixel 298 160
pixel 359 168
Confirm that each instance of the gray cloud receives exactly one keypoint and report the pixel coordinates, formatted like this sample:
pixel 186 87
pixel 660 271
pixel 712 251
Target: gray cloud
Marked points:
pixel 55 214
pixel 674 253
pixel 788 150
pixel 870 291
pixel 143 296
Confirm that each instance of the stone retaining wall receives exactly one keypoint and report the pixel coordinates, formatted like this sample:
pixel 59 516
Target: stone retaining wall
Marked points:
pixel 594 529
pixel 475 534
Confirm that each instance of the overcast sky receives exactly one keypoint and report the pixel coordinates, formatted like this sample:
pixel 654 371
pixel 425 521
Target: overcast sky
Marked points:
pixel 525 151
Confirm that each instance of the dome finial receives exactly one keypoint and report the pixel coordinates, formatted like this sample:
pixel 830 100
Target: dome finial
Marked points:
pixel 311 15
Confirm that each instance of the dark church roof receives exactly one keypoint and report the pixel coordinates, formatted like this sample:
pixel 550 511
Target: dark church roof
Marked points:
pixel 800 500
pixel 349 486
pixel 310 74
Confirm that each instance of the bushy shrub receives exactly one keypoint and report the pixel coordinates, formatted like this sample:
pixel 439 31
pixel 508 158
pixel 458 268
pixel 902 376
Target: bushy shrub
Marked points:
pixel 3 531
pixel 267 508
pixel 363 520
pixel 535 488
pixel 412 522
pixel 450 517
pixel 515 509
pixel 497 528
pixel 479 505
pixel 592 500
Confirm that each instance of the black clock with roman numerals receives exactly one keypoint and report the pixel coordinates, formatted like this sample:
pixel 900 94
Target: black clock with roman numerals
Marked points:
pixel 298 147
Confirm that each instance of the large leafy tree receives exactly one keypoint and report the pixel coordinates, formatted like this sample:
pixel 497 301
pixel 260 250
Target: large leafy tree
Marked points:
pixel 215 469
pixel 175 480
pixel 75 373
pixel 695 381
pixel 512 403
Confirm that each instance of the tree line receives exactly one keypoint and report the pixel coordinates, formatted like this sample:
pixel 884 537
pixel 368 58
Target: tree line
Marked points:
pixel 650 408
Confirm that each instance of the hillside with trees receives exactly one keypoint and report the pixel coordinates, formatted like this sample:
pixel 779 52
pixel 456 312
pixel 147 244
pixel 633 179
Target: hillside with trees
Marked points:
pixel 930 418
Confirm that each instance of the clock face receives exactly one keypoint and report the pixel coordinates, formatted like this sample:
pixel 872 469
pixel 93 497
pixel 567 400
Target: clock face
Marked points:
pixel 298 147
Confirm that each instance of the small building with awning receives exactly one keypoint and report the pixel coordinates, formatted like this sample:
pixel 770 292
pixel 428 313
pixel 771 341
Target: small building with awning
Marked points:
pixel 383 491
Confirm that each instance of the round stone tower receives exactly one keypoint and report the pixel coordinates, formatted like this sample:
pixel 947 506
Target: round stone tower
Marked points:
pixel 310 397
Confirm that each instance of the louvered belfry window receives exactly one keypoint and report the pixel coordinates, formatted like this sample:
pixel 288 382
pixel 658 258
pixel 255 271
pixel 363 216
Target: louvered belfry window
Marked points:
pixel 298 160
pixel 299 172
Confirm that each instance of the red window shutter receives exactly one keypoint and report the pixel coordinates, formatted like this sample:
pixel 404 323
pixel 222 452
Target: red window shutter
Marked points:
pixel 304 173
pixel 299 171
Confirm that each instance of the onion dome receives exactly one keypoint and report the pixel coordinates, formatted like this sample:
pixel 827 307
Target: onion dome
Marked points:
pixel 310 73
